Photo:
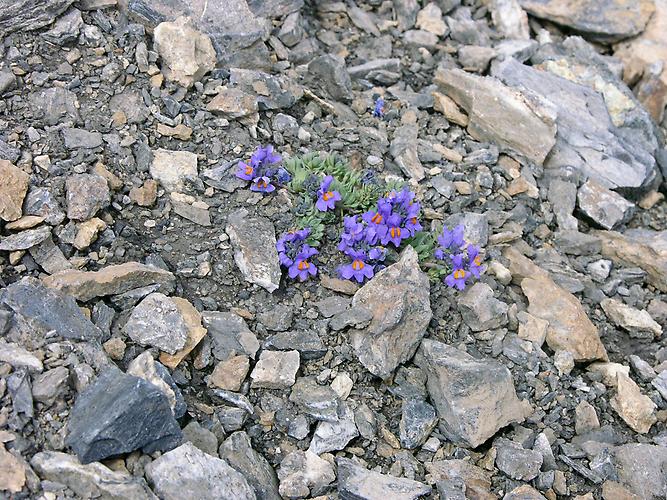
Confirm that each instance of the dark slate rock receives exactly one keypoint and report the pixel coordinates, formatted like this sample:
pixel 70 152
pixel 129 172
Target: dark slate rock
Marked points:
pixel 330 74
pixel 274 8
pixel 29 14
pixel 20 390
pixel 307 342
pixel 44 309
pixel 181 406
pixel 120 413
pixel 55 105
pixel 229 334
pixel 417 421
pixel 8 152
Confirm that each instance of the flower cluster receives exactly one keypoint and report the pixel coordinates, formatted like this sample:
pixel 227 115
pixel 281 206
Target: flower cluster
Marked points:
pixel 294 254
pixel 326 199
pixel 395 218
pixel 465 259
pixel 359 243
pixel 263 171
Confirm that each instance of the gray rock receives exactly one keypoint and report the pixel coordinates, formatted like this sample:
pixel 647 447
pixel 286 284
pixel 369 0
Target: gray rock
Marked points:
pixel 203 477
pixel 18 357
pixel 131 104
pixel 418 419
pixel 272 91
pixel 89 481
pixel 515 461
pixel 406 13
pixel 145 367
pixel 43 309
pixel 334 436
pixel 476 227
pixel 40 202
pixel 319 401
pixel 202 438
pixel 255 254
pixel 48 385
pixel 356 482
pixel 173 168
pixel 7 83
pixel 367 69
pixel 474 398
pixel 66 29
pixel 330 73
pixel 576 243
pixel 109 418
pixel 274 8
pixel 49 256
pixel 20 391
pixel 638 324
pixel 641 367
pixel 403 149
pixel 303 474
pixel 398 297
pixel 7 151
pixel 332 305
pixel 229 335
pixel 87 194
pixel 660 383
pixel 54 105
pixel 543 446
pixel 641 468
pixel 239 454
pixel 563 197
pixel 604 207
pixel 25 239
pixel 307 342
pixel 76 138
pixel 29 14
pixel 291 31
pixel 157 322
pixel 481 310
pixel 275 369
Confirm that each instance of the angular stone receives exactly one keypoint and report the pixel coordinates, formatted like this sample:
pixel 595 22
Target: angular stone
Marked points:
pixel 13 189
pixel 13 476
pixel 586 418
pixel 131 104
pixel 404 150
pixel 510 19
pixel 87 232
pixel 86 195
pixel 524 492
pixel 602 20
pixel 569 328
pixel 230 374
pixel 477 481
pixel 238 452
pixel 418 419
pixel 319 401
pixel 49 257
pixel 145 195
pixel 398 298
pixel 474 398
pixel 48 385
pixel 18 357
pixel 55 104
pixel 29 14
pixel 271 91
pixel 110 418
pixel 43 309
pixel 25 239
pixel 643 248
pixel 229 335
pixel 158 322
pixel 203 477
pixel 173 168
pixel 75 138
pixel 145 367
pixel 303 474
pixel 563 197
pixel 40 202
pixel 502 115
pixel 660 383
pixel 355 481
pixel 330 73
pixel 481 310
pixel 515 461
pixel 449 108
pixel 636 409
pixel 235 104
pixel 334 436
pixel 110 280
pixel 641 467
pixel 603 206
pixel 532 328
pixel 190 208
pixel 275 369
pixel 89 481
pixel 638 323
pixel 187 55
pixel 255 254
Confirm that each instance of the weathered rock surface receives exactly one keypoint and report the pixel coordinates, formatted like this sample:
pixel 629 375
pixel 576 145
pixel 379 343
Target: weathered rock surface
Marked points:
pixel 187 55
pixel 354 481
pixel 275 369
pixel 515 461
pixel 603 20
pixel 18 357
pixel 491 106
pixel 158 322
pixel 229 335
pixel 187 468
pixel 330 71
pixel 474 398
pixel 303 474
pixel 25 239
pixel 642 468
pixel 235 104
pixel 29 14
pixel 173 168
pixel 145 367
pixel 399 300
pixel 110 280
pixel 55 104
pixel 13 189
pixel 636 409
pixel 121 413
pixel 569 328
pixel 418 419
pixel 334 435
pixel 638 323
pixel 604 207
pixel 255 254
pixel 481 310
pixel 86 195
pixel 93 480
pixel 77 138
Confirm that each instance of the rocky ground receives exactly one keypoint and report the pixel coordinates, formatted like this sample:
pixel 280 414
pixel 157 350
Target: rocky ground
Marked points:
pixel 151 346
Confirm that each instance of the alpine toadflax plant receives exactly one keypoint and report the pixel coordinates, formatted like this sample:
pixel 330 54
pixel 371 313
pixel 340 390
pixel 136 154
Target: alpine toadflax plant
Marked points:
pixel 395 218
pixel 326 199
pixel 263 171
pixel 295 254
pixel 462 258
pixel 359 243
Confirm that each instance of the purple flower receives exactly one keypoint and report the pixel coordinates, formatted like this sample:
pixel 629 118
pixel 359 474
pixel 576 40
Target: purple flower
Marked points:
pixel 326 200
pixel 264 156
pixel 474 260
pixel 283 176
pixel 301 268
pixel 358 269
pixel 452 240
pixel 458 276
pixel 378 108
pixel 262 185
pixel 245 171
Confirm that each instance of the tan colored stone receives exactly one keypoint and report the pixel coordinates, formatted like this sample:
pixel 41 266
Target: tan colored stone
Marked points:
pixel 609 371
pixel 196 332
pixel 115 348
pixel 13 188
pixel 569 329
pixel 532 328
pixel 636 409
pixel 12 477
pixel 112 179
pixel 230 374
pixel 145 195
pixel 110 280
pixel 449 108
pixel 611 490
pixel 233 103
pixel 447 153
pixel 25 222
pixel 172 168
pixel 338 285
pixel 651 199
pixel 430 19
pixel 87 233
pixel 180 131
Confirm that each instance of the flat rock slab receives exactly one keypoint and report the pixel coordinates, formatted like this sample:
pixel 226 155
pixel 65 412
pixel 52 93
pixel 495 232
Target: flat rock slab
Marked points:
pixel 602 20
pixel 203 477
pixel 110 280
pixel 355 481
pixel 474 398
pixel 13 189
pixel 157 322
pixel 276 369
pixel 89 481
pixel 25 239
pixel 604 207
pixel 516 121
pixel 641 467
pixel 569 328
pixel 29 14
pixel 399 299
pixel 173 168
pixel 255 254
pixel 638 323
pixel 44 309
pixel 120 413
pixel 230 335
